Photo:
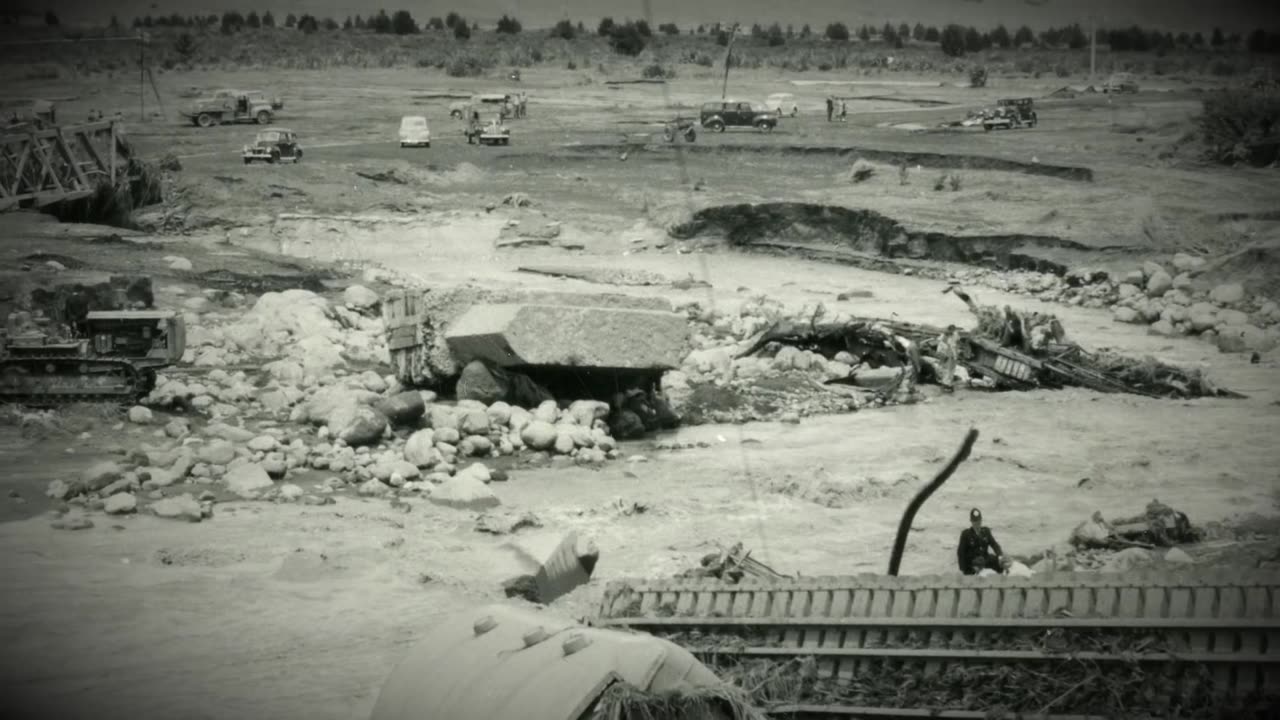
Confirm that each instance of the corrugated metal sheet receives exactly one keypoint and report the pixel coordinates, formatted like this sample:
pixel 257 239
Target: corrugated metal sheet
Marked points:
pixel 461 671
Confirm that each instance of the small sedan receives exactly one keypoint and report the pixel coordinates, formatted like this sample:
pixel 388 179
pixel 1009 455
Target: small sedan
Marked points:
pixel 414 131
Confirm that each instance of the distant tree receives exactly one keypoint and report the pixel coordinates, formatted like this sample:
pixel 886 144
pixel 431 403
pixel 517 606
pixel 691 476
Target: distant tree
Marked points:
pixel 452 19
pixel 904 31
pixel 462 31
pixel 268 20
pixel 606 26
pixel 864 33
pixel 1000 37
pixel 381 23
pixel 1076 38
pixel 330 24
pixel 563 29
pixel 722 38
pixel 972 40
pixel 837 31
pixel 642 27
pixel 475 27
pixel 402 23
pixel 1197 40
pixel 626 39
pixel 917 32
pixel 791 31
pixel 669 29
pixel 774 35
pixel 360 23
pixel 952 40
pixel 1184 39
pixel 932 34
pixel 185 46
pixel 1233 40
pixel 1257 41
pixel 115 23
pixel 348 24
pixel 702 30
pixel 308 24
pixel 757 32
pixel 805 31
pixel 509 25
pixel 581 29
pixel 51 18
pixel 435 23
pixel 888 33
pixel 1217 40
pixel 291 20
pixel 252 20
pixel 232 22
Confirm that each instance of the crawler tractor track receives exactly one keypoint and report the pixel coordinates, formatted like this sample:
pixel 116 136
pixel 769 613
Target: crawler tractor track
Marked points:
pixel 1064 646
pixel 55 380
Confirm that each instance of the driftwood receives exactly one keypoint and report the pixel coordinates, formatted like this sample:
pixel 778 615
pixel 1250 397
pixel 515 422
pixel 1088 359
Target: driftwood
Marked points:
pixel 731 565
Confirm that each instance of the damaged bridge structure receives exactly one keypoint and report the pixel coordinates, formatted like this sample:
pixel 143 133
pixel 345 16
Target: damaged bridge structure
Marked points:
pixel 45 165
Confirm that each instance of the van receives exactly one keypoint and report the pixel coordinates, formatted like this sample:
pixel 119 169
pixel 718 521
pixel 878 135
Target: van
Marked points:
pixel 414 131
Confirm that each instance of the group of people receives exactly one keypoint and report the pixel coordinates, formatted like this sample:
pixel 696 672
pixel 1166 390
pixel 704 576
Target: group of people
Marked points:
pixel 833 105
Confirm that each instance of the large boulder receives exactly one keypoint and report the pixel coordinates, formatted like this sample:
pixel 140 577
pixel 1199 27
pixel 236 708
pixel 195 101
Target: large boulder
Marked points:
pixel 216 452
pixel 365 426
pixel 1227 293
pixel 1244 338
pixel 586 412
pixel 182 507
pixel 333 402
pixel 1159 283
pixel 539 435
pixel 359 297
pixel 100 475
pixel 558 335
pixel 474 422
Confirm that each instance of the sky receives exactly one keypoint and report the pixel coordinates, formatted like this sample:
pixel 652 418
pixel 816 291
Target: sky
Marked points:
pixel 1173 15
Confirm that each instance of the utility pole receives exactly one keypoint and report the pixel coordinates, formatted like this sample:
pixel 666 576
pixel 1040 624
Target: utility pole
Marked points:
pixel 1093 47
pixel 733 35
pixel 142 77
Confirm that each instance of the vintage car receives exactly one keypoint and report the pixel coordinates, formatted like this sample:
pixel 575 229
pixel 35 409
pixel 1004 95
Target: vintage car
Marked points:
pixel 484 104
pixel 1121 82
pixel 1011 113
pixel 274 146
pixel 720 114
pixel 233 106
pixel 414 131
pixel 784 104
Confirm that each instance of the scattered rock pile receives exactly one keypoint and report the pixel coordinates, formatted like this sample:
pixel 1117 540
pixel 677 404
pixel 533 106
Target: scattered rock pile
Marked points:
pixel 1171 298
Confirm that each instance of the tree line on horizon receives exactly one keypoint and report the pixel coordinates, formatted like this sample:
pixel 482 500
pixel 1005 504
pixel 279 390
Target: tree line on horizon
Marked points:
pixel 631 37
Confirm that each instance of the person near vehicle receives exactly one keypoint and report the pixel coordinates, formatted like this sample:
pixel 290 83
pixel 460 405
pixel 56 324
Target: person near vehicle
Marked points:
pixel 831 108
pixel 978 549
pixel 948 357
pixel 844 111
pixel 473 127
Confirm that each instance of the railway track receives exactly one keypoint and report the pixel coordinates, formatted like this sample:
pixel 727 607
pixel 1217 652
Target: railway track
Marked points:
pixel 1063 646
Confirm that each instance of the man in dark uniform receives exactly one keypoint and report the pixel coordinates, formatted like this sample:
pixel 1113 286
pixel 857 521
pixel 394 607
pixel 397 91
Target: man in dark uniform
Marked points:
pixel 976 547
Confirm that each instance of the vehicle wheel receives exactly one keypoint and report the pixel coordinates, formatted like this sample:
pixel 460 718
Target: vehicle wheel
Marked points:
pixel 765 127
pixel 428 144
pixel 204 120
pixel 248 161
pixel 264 117
pixel 455 114
pixel 715 126
pixel 275 157
pixel 403 145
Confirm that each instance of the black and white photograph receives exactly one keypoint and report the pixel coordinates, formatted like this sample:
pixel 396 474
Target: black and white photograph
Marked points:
pixel 640 360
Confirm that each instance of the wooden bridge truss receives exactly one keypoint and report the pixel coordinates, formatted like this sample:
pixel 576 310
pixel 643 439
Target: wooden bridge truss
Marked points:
pixel 41 166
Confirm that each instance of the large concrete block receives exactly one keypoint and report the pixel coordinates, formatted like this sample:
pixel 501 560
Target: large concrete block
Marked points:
pixel 559 335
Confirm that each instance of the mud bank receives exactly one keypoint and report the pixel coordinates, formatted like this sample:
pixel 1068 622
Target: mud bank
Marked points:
pixel 942 161
pixel 817 230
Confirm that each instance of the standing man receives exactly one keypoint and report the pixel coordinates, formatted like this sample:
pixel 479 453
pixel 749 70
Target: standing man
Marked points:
pixel 949 356
pixel 844 111
pixel 978 549
pixel 831 108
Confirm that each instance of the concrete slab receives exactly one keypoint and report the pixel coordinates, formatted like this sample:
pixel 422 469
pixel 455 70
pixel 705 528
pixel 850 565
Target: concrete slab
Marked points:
pixel 559 335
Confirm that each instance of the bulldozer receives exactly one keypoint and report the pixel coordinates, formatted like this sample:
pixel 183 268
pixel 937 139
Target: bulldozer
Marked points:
pixel 75 354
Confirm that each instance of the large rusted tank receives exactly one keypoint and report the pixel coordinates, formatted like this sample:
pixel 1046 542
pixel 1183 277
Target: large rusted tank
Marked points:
pixel 508 662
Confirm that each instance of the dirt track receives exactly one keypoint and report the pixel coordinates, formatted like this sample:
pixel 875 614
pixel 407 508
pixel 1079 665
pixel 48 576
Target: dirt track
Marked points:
pixel 238 624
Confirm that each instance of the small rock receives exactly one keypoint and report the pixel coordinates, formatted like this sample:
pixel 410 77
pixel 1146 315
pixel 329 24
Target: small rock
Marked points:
pixel 247 480
pixel 177 428
pixel 120 504
pixel 420 448
pixel 359 297
pixel 448 435
pixel 290 492
pixel 1127 560
pixel 1185 263
pixel 139 415
pixel 547 411
pixel 1125 314
pixel 1178 555
pixel 1227 293
pixel 499 414
pixel 100 475
pixel 464 492
pixel 564 443
pixel 75 523
pixel 403 408
pixel 372 488
pixel 263 443
pixel 506 523
pixel 177 262
pixel 539 435
pixel 217 452
pixel 1158 284
pixel 790 418
pixel 474 422
pixel 1151 269
pixel 477 382
pixel 62 490
pixel 182 507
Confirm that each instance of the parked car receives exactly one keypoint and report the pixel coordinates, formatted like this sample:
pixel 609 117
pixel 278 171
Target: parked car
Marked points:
pixel 1011 113
pixel 233 106
pixel 414 131
pixel 721 114
pixel 1121 82
pixel 782 104
pixel 274 146
pixel 484 104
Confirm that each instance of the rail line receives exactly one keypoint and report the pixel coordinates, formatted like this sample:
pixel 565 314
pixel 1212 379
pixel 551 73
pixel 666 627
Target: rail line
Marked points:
pixel 1156 644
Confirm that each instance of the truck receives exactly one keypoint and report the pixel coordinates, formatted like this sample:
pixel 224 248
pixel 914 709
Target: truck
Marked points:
pixel 1011 113
pixel 233 106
